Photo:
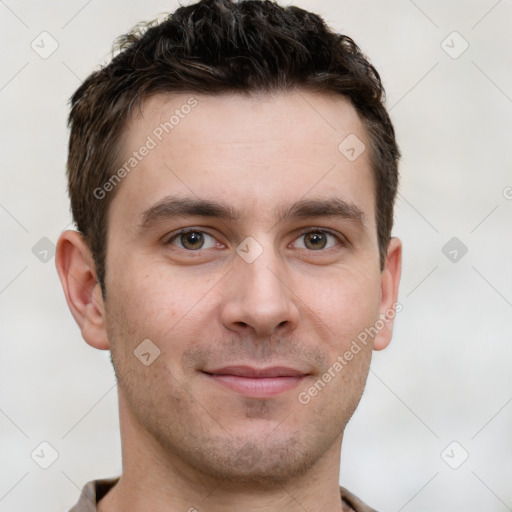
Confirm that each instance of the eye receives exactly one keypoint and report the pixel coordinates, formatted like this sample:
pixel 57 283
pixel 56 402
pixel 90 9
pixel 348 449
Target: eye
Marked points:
pixel 193 240
pixel 316 240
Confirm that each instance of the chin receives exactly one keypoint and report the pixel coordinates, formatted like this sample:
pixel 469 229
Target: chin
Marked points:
pixel 256 463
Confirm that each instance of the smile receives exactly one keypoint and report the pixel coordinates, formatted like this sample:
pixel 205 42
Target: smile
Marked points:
pixel 256 383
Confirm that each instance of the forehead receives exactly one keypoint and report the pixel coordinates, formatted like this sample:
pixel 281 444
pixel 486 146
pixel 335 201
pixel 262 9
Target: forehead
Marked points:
pixel 252 151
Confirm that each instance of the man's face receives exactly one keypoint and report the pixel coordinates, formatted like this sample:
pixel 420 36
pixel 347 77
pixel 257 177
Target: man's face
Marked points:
pixel 275 275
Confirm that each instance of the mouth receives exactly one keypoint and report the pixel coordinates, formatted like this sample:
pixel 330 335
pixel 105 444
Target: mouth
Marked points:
pixel 257 382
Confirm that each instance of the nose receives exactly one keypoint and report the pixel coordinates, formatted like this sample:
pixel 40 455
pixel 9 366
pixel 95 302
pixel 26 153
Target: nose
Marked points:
pixel 258 300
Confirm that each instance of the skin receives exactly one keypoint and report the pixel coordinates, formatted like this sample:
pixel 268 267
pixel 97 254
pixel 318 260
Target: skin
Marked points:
pixel 187 440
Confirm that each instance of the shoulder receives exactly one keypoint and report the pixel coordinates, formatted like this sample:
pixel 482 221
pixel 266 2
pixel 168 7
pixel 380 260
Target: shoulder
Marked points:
pixel 91 493
pixel 352 501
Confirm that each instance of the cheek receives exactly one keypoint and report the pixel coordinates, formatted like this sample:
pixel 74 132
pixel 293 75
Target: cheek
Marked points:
pixel 151 307
pixel 346 302
pixel 157 301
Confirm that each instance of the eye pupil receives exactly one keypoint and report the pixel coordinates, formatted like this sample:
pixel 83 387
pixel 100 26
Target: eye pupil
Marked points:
pixel 315 240
pixel 192 240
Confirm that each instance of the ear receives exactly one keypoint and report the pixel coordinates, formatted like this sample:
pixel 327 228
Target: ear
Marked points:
pixel 389 306
pixel 77 274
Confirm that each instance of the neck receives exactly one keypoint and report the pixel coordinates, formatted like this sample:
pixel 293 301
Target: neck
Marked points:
pixel 153 479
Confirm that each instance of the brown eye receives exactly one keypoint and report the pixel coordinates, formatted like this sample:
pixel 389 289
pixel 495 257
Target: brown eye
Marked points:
pixel 315 240
pixel 193 240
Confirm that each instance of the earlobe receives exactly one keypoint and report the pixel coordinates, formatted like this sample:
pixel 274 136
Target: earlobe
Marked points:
pixel 390 281
pixel 77 275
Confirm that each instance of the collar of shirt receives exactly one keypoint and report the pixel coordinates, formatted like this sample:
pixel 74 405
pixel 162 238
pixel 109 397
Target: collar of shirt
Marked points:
pixel 95 490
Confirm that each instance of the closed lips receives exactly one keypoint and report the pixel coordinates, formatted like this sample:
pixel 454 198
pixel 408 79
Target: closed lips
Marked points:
pixel 259 383
pixel 255 373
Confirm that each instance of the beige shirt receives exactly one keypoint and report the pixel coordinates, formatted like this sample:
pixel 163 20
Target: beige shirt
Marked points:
pixel 95 490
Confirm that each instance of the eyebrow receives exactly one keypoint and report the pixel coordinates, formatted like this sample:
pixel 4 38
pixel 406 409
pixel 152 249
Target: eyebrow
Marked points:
pixel 171 207
pixel 331 207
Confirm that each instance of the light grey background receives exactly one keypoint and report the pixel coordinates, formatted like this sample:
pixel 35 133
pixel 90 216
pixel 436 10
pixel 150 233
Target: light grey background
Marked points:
pixel 447 374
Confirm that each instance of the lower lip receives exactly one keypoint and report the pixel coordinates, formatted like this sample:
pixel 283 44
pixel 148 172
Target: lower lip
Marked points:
pixel 257 387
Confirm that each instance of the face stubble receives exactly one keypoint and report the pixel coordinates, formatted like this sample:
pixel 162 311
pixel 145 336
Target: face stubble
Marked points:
pixel 190 424
pixel 278 443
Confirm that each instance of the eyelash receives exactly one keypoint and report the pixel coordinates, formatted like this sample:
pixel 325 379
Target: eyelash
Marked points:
pixel 339 238
pixel 185 231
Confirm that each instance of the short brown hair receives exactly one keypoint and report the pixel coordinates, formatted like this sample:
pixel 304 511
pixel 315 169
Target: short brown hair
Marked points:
pixel 212 47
